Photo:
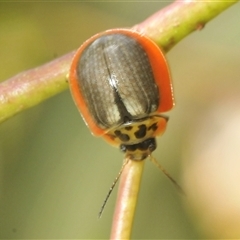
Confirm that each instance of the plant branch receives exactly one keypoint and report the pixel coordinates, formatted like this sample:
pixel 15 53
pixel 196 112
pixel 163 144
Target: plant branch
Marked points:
pixel 127 200
pixel 166 27
pixel 174 22
pixel 31 87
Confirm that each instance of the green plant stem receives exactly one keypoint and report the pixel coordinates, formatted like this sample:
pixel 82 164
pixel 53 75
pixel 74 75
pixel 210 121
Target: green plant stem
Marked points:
pixel 31 87
pixel 129 186
pixel 171 24
pixel 166 27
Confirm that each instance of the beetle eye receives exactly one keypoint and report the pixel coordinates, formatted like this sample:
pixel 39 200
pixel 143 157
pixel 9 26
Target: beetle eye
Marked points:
pixel 153 145
pixel 123 148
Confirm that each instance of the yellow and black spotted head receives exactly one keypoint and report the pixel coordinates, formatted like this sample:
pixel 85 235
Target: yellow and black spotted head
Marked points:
pixel 137 138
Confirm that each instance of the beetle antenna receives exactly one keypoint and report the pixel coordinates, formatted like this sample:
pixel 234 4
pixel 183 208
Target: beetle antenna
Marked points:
pixel 159 166
pixel 112 187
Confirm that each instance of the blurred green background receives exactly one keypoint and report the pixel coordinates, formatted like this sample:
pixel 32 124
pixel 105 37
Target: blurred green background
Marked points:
pixel 54 174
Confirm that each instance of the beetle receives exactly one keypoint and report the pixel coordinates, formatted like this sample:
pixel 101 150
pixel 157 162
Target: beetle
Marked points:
pixel 121 84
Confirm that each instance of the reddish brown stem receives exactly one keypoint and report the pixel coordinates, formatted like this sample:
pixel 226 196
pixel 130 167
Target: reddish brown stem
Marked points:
pixel 127 199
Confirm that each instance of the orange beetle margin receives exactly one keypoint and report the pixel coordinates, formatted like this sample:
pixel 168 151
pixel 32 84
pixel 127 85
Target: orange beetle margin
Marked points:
pixel 160 71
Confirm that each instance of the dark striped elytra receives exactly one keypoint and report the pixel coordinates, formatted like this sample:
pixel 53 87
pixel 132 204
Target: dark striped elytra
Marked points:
pixel 103 81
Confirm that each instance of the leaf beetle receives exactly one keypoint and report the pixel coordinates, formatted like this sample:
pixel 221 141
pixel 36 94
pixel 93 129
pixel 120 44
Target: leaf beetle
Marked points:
pixel 121 84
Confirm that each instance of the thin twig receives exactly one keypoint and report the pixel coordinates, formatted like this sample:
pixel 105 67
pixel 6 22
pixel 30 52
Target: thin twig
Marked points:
pixel 129 186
